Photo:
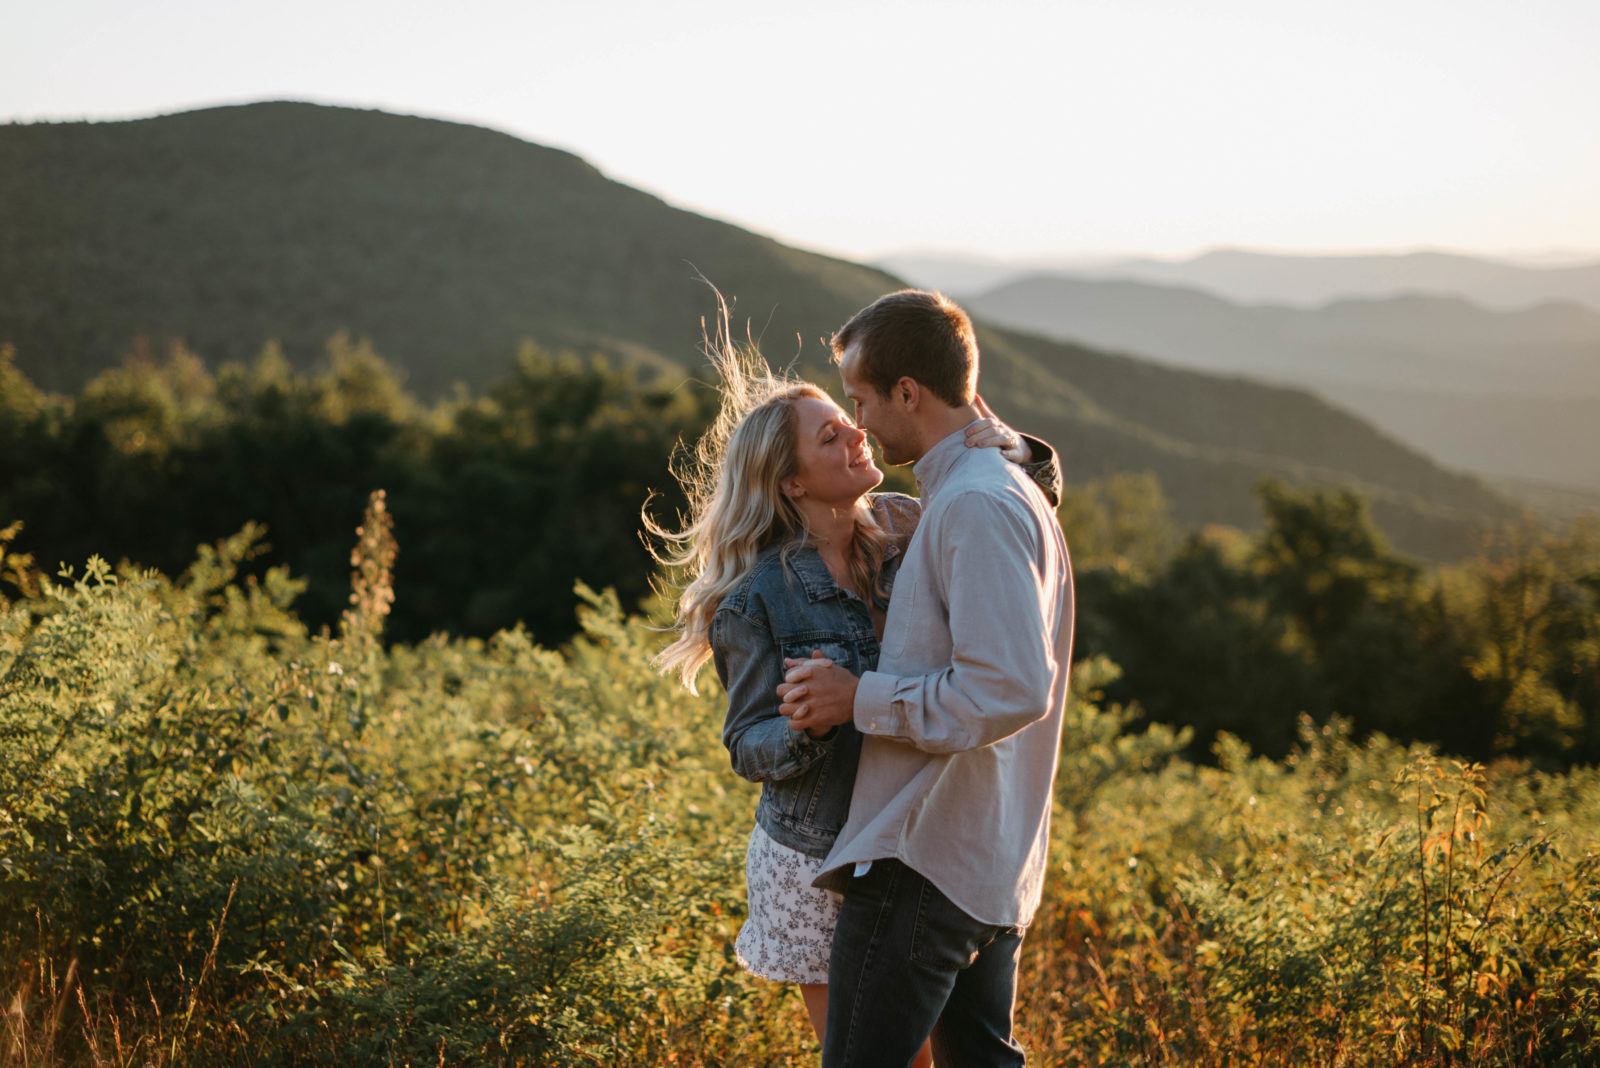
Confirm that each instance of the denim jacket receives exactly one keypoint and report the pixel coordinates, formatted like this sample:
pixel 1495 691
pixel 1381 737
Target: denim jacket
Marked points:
pixel 789 605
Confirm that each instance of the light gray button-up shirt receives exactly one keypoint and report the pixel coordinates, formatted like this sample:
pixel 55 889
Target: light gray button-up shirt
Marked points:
pixel 962 719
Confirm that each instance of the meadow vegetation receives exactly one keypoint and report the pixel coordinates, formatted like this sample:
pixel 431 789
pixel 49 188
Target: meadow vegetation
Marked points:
pixel 226 837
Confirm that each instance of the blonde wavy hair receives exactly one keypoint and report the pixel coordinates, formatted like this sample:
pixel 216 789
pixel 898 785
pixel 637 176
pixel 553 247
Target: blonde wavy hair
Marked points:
pixel 732 479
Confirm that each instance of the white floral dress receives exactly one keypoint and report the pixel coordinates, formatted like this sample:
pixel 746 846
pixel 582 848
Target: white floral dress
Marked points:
pixel 789 932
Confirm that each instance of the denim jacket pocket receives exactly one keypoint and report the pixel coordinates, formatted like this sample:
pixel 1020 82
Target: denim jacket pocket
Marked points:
pixel 820 801
pixel 840 653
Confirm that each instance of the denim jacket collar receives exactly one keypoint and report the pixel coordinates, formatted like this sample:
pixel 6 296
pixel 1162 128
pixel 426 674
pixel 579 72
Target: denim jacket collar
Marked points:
pixel 806 564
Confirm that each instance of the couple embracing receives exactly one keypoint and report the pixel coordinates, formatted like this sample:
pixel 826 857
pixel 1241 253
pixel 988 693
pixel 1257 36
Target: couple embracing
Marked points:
pixel 896 671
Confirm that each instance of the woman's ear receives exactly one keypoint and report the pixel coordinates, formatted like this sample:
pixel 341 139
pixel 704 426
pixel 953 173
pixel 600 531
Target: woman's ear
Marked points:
pixel 792 489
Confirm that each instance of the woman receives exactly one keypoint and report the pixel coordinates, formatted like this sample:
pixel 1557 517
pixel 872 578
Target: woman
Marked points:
pixel 788 552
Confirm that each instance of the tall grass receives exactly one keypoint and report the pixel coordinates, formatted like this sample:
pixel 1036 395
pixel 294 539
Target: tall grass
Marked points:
pixel 226 840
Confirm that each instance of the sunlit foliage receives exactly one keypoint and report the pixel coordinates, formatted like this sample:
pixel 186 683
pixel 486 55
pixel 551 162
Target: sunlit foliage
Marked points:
pixel 227 839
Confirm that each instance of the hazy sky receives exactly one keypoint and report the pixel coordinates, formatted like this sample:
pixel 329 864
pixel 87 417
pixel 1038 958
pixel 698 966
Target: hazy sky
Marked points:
pixel 1007 128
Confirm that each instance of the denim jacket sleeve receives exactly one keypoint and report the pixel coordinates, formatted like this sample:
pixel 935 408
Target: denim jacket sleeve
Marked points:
pixel 760 741
pixel 1044 468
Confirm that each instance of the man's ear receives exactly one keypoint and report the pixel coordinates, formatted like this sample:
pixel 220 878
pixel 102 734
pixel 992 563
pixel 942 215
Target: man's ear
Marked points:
pixel 907 393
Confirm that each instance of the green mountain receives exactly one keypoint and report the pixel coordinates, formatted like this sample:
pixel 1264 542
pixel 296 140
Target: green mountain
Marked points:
pixel 448 245
pixel 445 244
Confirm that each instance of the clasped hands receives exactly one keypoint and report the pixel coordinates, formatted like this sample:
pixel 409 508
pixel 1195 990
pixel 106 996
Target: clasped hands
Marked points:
pixel 817 694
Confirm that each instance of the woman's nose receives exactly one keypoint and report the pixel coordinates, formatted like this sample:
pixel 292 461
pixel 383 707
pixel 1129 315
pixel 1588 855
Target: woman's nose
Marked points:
pixel 858 435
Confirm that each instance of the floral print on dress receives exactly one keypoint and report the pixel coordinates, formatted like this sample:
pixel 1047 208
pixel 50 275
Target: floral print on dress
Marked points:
pixel 789 932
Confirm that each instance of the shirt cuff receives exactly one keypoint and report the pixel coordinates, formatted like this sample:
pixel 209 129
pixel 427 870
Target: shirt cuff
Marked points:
pixel 874 708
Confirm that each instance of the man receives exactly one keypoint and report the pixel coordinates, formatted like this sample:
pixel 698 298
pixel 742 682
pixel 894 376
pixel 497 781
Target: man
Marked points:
pixel 942 859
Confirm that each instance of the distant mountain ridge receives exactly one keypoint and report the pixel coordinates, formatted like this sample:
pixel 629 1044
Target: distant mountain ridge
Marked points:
pixel 1254 277
pixel 1418 341
pixel 1300 280
pixel 1509 393
pixel 448 245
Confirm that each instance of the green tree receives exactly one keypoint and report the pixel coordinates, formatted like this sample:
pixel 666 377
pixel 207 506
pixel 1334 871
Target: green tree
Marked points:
pixel 1529 607
pixel 1122 521
pixel 1385 651
pixel 1200 647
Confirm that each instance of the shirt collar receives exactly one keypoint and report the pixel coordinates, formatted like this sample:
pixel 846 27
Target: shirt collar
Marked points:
pixel 936 463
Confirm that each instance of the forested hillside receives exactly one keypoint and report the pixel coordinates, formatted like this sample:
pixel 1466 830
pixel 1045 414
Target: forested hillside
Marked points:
pixel 447 246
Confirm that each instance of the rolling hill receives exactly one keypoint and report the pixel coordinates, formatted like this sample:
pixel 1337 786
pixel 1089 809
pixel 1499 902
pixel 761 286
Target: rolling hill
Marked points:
pixel 447 245
pixel 1512 394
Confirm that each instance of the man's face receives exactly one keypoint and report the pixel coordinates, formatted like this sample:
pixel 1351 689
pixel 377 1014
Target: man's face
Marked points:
pixel 881 416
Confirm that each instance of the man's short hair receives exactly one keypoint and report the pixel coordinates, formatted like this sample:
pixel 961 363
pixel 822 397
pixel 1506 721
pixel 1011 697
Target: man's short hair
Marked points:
pixel 913 334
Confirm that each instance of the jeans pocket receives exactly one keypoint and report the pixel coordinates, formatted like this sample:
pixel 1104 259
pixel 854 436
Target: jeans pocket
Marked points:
pixel 945 938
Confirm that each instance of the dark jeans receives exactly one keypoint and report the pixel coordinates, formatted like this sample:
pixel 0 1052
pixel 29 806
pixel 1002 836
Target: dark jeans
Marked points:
pixel 906 964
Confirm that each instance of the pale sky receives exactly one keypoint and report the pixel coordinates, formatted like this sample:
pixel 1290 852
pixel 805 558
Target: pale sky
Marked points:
pixel 1009 129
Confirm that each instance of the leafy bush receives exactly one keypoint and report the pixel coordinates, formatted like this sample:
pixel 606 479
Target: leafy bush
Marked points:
pixel 348 845
pixel 227 839
pixel 1356 904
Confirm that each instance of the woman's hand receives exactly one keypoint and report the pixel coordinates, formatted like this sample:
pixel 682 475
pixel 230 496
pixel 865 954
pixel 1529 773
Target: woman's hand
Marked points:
pixel 817 694
pixel 990 432
pixel 816 660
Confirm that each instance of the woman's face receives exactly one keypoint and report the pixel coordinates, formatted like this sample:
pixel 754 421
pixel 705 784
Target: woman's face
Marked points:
pixel 834 460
